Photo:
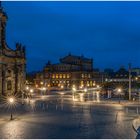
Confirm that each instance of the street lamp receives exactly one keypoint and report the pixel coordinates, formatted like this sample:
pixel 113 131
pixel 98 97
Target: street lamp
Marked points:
pixel 119 91
pixel 27 88
pixel 11 101
pixel 94 84
pixel 62 86
pixel 43 89
pixel 41 83
pixel 81 97
pixel 85 90
pixel 74 90
pixel 98 96
pixel 31 91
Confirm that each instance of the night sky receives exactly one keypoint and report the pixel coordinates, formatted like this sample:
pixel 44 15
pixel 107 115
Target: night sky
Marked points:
pixel 108 32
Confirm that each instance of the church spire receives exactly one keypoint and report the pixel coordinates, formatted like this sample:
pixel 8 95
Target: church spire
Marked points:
pixel 3 20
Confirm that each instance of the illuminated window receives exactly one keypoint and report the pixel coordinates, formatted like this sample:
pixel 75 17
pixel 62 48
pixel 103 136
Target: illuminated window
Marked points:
pixel 68 76
pixel 82 75
pixel 57 76
pixel 89 76
pixel 53 76
pixel 60 76
pixel 90 83
pixel 64 76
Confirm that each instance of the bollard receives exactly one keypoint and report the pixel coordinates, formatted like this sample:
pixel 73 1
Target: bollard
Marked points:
pixel 116 119
pixel 56 107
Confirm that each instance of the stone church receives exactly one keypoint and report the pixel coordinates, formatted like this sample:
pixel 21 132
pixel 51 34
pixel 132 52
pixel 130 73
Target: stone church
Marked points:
pixel 12 63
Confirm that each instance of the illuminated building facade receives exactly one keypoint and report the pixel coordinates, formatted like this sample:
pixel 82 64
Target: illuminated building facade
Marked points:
pixel 12 63
pixel 72 70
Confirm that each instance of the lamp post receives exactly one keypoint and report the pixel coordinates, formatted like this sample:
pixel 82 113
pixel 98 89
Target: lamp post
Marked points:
pixel 27 90
pixel 87 98
pixel 85 90
pixel 43 90
pixel 11 101
pixel 62 87
pixel 31 91
pixel 129 82
pixel 119 91
pixel 73 90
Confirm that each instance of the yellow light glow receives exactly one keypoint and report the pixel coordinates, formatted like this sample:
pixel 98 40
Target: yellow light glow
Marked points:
pixel 41 83
pixel 98 96
pixel 81 86
pixel 85 90
pixel 74 99
pixel 94 84
pixel 11 100
pixel 31 90
pixel 44 88
pixel 98 86
pixel 81 97
pixel 74 89
pixel 119 90
pixel 27 88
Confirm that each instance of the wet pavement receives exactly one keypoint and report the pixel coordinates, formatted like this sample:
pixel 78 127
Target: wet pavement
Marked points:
pixel 62 117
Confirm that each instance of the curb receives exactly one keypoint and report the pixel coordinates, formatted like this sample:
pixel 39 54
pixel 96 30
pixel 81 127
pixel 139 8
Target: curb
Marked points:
pixel 136 125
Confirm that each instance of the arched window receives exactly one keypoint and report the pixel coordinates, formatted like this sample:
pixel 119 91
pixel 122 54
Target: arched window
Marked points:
pixel 9 85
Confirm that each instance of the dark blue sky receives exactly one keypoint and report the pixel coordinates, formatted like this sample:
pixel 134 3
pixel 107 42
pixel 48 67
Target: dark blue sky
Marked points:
pixel 108 32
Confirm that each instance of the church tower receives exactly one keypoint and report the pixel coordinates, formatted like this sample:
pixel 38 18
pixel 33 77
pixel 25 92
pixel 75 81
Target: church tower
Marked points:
pixel 3 20
pixel 12 63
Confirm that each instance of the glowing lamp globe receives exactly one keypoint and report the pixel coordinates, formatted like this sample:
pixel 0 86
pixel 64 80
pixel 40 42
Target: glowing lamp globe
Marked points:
pixel 11 100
